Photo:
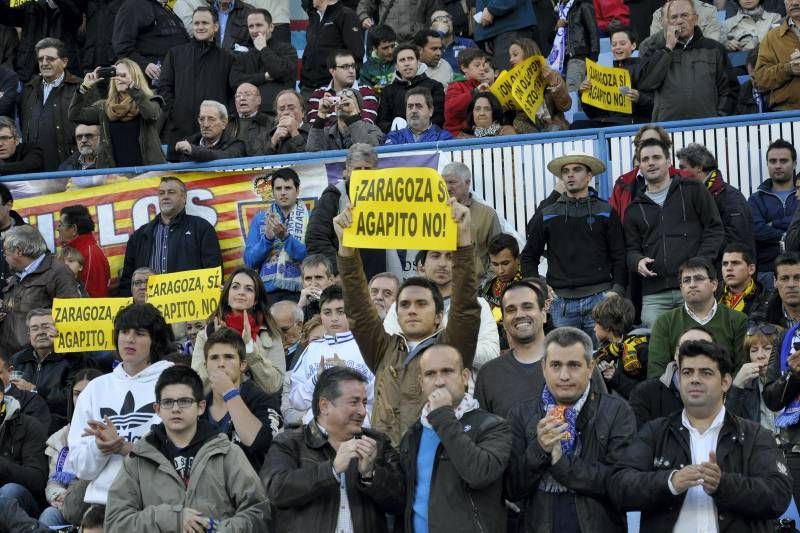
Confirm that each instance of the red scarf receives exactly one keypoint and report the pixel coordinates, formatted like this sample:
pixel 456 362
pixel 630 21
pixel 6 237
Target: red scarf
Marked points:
pixel 236 323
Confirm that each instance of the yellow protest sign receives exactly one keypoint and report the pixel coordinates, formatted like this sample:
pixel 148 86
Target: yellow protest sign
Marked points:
pixel 399 209
pixel 605 91
pixel 86 324
pixel 185 296
pixel 18 3
pixel 503 84
pixel 528 88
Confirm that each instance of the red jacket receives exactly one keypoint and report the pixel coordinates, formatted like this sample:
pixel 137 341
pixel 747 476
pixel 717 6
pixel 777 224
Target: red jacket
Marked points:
pixel 96 273
pixel 456 102
pixel 626 187
pixel 608 10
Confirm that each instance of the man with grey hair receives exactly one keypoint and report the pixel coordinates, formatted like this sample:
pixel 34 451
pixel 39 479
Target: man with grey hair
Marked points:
pixel 735 212
pixel 213 142
pixel 485 222
pixel 139 284
pixel 17 157
pixel 38 279
pixel 289 318
pixel 566 441
pixel 321 238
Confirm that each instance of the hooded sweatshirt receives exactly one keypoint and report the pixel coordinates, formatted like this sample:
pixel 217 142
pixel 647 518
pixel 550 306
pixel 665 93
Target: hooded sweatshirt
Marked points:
pixel 128 402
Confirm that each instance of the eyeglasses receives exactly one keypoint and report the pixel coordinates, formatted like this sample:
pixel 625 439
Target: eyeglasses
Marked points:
pixel 87 136
pixel 766 329
pixel 169 403
pixel 47 59
pixel 440 17
pixel 349 66
pixel 140 283
pixel 697 278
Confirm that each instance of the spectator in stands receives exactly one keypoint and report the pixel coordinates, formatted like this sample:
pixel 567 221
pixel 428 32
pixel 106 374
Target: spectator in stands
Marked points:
pixel 138 284
pixel 61 476
pixel 185 470
pixel 17 157
pixel 452 44
pixel 485 223
pixel 45 102
pixel 291 133
pixel 484 118
pixel 192 73
pixel 379 70
pixel 342 68
pixel 455 456
pixel 268 63
pixel 243 306
pixel 22 443
pixel 622 356
pixel 250 125
pixel 173 240
pixel 419 112
pixel 128 119
pixel 677 203
pixel 75 262
pixel 682 91
pixel 748 26
pixel 383 289
pixel 567 441
pixel 116 409
pixel 437 266
pixel 623 43
pixel 275 242
pixel 499 24
pixel 411 74
pixel 233 28
pixel 745 397
pixel 783 306
pixel 8 91
pixel 318 275
pixel 707 20
pixel 774 205
pixel 429 44
pixel 191 329
pixel 350 126
pixel 743 483
pixel 332 27
pixel 579 41
pixel 30 403
pixel 557 100
pixel 405 17
pixel 337 347
pixel 145 31
pixel 778 67
pixel 611 14
pixel 237 408
pixel 75 229
pixel 45 372
pixel 742 292
pixel 288 317
pixel 737 218
pixel 505 268
pixel 320 473
pixel 87 137
pixel 213 142
pixel 698 278
pixel 751 99
pixel 420 313
pixel 8 219
pixel 579 284
pixel 38 279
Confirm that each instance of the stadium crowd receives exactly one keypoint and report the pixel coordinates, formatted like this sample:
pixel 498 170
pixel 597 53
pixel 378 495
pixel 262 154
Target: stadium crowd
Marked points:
pixel 650 365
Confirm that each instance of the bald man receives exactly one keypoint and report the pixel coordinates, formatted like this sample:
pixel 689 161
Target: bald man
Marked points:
pixel 250 124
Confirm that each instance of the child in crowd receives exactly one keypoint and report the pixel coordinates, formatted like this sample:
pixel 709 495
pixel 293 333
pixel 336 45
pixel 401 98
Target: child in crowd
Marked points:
pixel 75 262
pixel 622 356
pixel 472 62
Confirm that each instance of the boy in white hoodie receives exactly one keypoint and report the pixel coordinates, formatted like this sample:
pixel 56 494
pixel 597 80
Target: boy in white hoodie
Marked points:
pixel 116 409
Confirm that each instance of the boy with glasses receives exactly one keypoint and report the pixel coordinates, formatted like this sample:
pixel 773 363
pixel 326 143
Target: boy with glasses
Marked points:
pixel 184 475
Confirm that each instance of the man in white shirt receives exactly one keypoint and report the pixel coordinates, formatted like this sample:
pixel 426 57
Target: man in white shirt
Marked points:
pixel 703 469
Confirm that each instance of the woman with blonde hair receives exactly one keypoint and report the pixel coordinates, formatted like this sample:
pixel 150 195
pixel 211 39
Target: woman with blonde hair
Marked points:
pixel 128 117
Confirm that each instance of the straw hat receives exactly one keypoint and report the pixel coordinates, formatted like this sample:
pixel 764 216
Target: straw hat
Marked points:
pixel 595 165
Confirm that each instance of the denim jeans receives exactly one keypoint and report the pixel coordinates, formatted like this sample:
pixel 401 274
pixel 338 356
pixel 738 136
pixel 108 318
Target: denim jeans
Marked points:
pixel 24 498
pixel 576 312
pixel 655 305
pixel 52 517
pixel 767 279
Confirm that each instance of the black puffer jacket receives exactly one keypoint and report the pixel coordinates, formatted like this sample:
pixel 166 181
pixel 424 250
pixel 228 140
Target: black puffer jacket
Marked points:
pixel 277 58
pixel 606 426
pixel 754 490
pixel 393 98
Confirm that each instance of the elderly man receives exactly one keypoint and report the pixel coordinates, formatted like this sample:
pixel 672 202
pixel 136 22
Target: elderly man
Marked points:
pixel 267 63
pixel 485 222
pixel 419 112
pixel 250 125
pixel 138 287
pixel 173 241
pixel 288 316
pixel 689 74
pixel 584 241
pixel 778 66
pixel 17 157
pixel 88 138
pixel 213 141
pixel 38 279
pixel 383 289
pixel 8 219
pixel 290 134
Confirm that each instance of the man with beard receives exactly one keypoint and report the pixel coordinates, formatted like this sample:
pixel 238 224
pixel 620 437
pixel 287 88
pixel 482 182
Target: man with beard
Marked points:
pixel 419 111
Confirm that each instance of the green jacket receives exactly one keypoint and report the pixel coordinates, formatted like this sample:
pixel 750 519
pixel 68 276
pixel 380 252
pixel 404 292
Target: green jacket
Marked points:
pixel 376 73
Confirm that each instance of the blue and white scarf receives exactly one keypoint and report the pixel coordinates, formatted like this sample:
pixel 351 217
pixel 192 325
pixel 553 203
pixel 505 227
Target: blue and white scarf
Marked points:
pixel 558 55
pixel 60 475
pixel 571 444
pixel 790 415
pixel 279 267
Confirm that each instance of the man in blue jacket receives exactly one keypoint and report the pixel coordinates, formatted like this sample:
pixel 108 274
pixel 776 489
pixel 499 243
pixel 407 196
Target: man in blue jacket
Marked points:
pixel 419 111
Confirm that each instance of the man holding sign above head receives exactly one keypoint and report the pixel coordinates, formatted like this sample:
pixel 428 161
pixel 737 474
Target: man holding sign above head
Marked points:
pixel 173 241
pixel 395 358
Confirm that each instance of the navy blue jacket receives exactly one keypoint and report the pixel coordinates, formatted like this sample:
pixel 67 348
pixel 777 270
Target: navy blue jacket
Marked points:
pixel 771 219
pixel 509 15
